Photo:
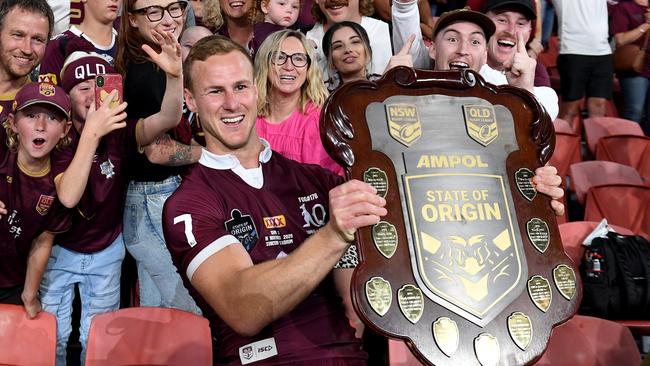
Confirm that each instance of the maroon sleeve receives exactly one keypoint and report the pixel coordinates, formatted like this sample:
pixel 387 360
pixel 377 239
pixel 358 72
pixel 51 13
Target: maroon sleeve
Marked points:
pixel 59 219
pixel 620 21
pixel 53 59
pixel 60 159
pixel 193 220
pixel 541 75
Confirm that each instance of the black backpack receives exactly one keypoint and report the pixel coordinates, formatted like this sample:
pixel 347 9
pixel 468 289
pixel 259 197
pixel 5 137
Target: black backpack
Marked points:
pixel 616 277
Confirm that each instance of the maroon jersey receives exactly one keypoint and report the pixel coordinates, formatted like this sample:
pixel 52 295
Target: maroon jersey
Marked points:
pixel 32 208
pixel 214 207
pixel 61 46
pixel 97 220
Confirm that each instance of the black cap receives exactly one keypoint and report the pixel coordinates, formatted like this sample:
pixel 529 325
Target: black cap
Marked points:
pixel 465 15
pixel 526 7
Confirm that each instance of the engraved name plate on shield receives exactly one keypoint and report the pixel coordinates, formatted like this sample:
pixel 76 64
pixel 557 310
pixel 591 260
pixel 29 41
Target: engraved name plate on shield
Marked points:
pixel 469 247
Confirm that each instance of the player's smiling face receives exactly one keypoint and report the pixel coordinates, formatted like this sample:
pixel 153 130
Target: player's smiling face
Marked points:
pixel 39 128
pixel 224 95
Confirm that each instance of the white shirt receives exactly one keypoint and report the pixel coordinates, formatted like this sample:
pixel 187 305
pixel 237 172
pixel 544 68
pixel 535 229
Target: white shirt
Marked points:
pixel 378 34
pixel 583 27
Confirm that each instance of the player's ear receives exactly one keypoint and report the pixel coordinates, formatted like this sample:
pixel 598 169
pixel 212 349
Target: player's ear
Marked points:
pixel 189 100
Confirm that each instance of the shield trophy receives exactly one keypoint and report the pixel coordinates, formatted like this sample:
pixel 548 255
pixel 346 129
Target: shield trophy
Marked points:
pixel 468 266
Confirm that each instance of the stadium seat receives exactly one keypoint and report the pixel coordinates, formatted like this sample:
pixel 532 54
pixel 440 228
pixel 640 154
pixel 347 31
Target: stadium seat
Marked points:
pixel 26 341
pixel 630 150
pixel 621 204
pixel 595 173
pixel 599 127
pixel 588 341
pixel 149 336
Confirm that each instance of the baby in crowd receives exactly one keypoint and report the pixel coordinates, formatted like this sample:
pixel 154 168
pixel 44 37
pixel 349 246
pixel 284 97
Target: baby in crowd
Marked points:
pixel 277 15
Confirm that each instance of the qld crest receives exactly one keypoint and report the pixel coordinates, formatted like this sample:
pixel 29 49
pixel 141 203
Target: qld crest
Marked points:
pixel 481 123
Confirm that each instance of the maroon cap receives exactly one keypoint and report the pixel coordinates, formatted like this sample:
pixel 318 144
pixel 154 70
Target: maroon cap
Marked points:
pixel 42 93
pixel 81 66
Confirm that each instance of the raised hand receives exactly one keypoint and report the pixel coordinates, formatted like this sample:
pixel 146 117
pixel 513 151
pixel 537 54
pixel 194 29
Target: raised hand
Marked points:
pixel 548 182
pixel 403 57
pixel 520 71
pixel 169 59
pixel 105 119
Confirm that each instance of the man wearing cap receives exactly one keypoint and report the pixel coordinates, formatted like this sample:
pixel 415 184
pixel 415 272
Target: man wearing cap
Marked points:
pixel 91 177
pixel 518 71
pixel 511 17
pixel 30 212
pixel 25 28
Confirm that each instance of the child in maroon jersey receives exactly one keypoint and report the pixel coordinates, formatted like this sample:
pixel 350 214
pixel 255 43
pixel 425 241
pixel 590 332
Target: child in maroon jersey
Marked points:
pixel 30 213
pixel 91 178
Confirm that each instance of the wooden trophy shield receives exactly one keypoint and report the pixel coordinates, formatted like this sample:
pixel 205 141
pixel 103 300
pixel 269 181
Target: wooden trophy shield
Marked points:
pixel 468 266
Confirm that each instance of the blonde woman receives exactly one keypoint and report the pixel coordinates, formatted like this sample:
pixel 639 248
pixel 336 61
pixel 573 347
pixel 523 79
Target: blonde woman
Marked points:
pixel 291 94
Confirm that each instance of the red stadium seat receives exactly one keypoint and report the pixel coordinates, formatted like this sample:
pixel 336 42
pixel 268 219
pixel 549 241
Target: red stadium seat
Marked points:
pixel 400 355
pixel 595 173
pixel 26 341
pixel 149 336
pixel 621 204
pixel 588 341
pixel 599 127
pixel 629 150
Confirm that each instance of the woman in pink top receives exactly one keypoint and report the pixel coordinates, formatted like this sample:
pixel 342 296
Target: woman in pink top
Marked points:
pixel 291 94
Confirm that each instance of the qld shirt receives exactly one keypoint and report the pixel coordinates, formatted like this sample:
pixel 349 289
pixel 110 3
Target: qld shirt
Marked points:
pixel 270 210
pixel 97 219
pixel 32 208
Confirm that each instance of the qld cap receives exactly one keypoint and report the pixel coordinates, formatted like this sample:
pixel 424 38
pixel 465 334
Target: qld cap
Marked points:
pixel 465 15
pixel 526 7
pixel 81 66
pixel 42 93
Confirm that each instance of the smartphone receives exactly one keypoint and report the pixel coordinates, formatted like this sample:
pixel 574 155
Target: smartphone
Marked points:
pixel 104 85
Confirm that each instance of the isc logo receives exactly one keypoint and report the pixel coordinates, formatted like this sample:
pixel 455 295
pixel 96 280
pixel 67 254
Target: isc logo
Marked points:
pixel 264 349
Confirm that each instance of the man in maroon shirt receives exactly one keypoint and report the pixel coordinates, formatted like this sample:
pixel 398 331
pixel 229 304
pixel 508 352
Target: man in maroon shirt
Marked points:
pixel 254 235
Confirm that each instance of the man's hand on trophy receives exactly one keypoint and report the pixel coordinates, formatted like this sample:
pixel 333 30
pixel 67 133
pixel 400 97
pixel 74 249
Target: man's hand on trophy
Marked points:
pixel 549 183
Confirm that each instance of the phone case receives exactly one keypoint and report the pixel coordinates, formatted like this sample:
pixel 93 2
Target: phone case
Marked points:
pixel 104 85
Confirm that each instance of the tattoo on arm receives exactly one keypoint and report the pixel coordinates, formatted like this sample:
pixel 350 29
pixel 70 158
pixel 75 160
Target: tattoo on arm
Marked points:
pixel 172 152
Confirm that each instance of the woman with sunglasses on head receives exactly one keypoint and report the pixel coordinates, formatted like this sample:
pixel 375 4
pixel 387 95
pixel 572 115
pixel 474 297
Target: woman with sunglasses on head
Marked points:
pixel 151 184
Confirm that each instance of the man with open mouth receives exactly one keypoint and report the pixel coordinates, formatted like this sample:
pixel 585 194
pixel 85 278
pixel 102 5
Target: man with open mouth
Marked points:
pixel 516 68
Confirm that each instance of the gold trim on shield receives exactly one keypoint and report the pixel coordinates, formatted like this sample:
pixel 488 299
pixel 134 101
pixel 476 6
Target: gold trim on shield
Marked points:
pixel 411 302
pixel 521 329
pixel 445 333
pixel 487 349
pixel 565 281
pixel 539 291
pixel 379 295
pixel 481 123
pixel 403 123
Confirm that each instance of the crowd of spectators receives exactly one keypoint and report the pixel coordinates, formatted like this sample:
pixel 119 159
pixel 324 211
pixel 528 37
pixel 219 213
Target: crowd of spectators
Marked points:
pixel 220 99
